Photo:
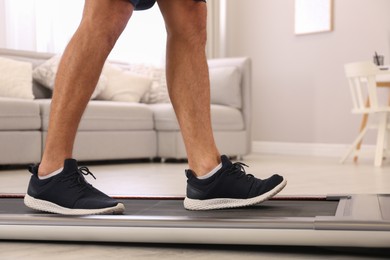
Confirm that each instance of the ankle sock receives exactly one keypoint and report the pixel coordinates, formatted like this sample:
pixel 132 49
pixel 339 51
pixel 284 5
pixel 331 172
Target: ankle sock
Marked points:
pixel 51 174
pixel 211 173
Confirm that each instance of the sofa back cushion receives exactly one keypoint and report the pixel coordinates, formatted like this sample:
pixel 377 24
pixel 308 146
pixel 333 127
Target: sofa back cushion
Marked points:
pixel 39 91
pixel 15 79
pixel 225 86
pixel 225 79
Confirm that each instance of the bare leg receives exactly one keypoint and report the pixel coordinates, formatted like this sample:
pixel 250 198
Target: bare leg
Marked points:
pixel 103 21
pixel 188 80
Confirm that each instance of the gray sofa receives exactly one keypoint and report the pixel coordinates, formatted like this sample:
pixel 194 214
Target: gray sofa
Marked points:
pixel 112 130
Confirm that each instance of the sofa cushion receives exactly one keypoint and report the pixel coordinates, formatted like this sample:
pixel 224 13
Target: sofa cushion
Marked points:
pixel 123 86
pixel 225 86
pixel 46 72
pixel 19 114
pixel 15 79
pixel 223 118
pixel 35 59
pixel 158 92
pixel 106 115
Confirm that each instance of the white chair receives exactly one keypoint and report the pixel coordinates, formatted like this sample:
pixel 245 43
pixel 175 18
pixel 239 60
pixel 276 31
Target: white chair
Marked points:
pixel 362 82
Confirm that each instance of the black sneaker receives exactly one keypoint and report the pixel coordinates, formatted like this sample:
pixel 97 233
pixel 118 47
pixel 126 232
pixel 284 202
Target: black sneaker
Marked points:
pixel 230 187
pixel 68 193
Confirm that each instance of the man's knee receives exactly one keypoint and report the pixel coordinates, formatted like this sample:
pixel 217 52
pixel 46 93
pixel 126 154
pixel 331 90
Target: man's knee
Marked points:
pixel 189 24
pixel 196 32
pixel 107 19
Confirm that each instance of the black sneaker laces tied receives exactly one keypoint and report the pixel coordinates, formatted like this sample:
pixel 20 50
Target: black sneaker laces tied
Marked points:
pixel 238 167
pixel 85 171
pixel 78 179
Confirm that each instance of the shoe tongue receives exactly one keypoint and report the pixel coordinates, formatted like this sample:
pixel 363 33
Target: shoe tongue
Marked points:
pixel 225 161
pixel 190 174
pixel 70 165
pixel 34 169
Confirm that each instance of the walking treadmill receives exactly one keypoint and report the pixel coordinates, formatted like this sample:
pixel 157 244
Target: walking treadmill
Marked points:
pixel 347 221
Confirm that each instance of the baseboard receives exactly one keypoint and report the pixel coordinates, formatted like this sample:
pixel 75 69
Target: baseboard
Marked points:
pixel 307 149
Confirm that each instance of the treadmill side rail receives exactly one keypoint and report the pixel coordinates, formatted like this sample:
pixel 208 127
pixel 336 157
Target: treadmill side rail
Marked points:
pixel 354 221
pixel 358 212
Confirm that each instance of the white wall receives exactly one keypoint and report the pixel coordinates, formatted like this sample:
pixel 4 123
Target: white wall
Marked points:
pixel 299 90
pixel 2 24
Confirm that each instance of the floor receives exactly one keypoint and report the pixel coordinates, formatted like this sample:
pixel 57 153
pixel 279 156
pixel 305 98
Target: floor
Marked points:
pixel 305 175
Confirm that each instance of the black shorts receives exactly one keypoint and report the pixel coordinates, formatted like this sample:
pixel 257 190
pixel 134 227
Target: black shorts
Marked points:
pixel 146 4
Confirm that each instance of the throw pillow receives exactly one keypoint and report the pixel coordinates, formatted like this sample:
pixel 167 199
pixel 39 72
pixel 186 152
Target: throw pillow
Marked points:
pixel 224 83
pixel 46 74
pixel 15 79
pixel 225 86
pixel 158 92
pixel 123 86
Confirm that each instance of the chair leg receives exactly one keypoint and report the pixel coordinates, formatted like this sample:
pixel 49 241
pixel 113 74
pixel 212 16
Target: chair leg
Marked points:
pixel 362 126
pixel 354 145
pixel 380 144
pixel 388 138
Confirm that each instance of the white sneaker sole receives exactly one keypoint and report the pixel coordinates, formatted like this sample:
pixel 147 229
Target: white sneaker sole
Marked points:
pixel 47 206
pixel 223 203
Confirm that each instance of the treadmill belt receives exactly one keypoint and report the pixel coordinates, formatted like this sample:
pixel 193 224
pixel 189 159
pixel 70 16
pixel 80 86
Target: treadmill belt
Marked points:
pixel 174 208
pixel 360 220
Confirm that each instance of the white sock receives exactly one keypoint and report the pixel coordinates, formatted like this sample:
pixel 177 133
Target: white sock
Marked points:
pixel 51 174
pixel 213 171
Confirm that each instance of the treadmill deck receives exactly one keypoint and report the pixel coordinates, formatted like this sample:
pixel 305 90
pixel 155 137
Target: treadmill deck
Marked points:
pixel 328 221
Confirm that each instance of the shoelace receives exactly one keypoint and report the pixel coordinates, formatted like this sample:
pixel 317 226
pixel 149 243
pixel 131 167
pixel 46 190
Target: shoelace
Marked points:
pixel 85 171
pixel 78 179
pixel 238 168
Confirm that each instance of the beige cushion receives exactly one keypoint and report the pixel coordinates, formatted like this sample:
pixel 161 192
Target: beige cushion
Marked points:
pixel 103 116
pixel 46 73
pixel 19 114
pixel 123 86
pixel 158 92
pixel 20 147
pixel 225 86
pixel 223 118
pixel 15 79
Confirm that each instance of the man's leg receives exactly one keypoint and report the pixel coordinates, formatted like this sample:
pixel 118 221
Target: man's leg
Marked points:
pixel 188 80
pixel 57 184
pixel 209 185
pixel 102 23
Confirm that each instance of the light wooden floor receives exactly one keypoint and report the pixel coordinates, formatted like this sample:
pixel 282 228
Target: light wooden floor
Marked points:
pixel 305 175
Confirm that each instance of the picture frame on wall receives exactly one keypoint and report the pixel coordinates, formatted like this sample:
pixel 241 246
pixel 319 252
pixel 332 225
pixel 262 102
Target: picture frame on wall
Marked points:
pixel 313 16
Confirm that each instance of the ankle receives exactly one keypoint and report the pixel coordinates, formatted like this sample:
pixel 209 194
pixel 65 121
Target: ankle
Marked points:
pixel 210 173
pixel 48 167
pixel 204 167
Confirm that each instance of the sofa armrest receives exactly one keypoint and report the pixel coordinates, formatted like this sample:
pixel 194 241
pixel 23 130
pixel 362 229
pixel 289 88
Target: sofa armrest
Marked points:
pixel 245 67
